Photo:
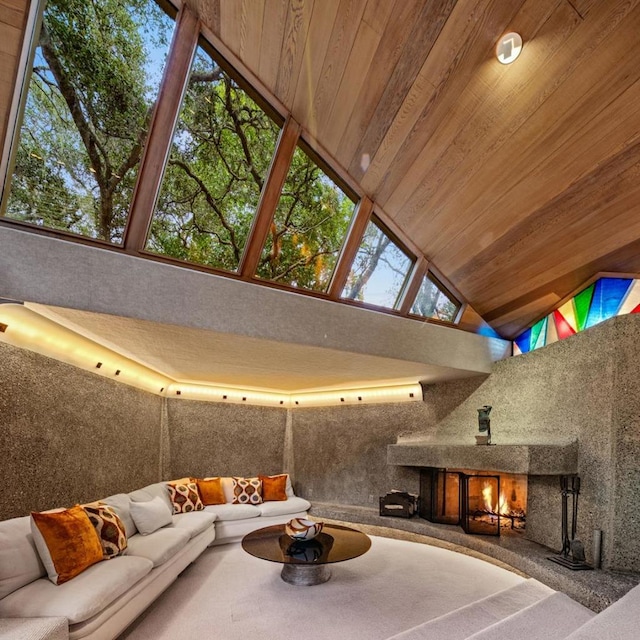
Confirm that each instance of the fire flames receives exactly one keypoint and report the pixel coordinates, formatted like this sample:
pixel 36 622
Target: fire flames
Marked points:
pixel 490 506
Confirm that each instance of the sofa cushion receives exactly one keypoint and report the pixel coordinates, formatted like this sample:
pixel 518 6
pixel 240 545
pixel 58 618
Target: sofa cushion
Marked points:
pixel 233 511
pixel 211 491
pixel 193 523
pixel 184 497
pixel 121 502
pixel 110 529
pixel 151 515
pixel 274 487
pixel 158 489
pixel 159 546
pixel 81 598
pixel 66 542
pixel 20 563
pixel 282 507
pixel 247 490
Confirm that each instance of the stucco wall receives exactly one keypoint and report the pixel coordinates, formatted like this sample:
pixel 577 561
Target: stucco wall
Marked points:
pixel 211 439
pixel 69 436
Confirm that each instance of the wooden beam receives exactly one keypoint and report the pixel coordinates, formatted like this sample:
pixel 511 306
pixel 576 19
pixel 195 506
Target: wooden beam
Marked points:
pixel 176 73
pixel 351 246
pixel 270 196
pixel 413 287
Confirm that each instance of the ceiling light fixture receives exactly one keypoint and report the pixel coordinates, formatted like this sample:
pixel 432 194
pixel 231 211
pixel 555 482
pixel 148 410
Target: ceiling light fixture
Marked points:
pixel 509 47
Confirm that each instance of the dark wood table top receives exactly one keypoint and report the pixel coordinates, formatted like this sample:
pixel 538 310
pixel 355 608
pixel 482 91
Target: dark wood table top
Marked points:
pixel 334 544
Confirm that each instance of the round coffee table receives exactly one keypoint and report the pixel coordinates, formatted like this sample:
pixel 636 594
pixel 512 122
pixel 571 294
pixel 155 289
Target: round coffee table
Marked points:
pixel 306 563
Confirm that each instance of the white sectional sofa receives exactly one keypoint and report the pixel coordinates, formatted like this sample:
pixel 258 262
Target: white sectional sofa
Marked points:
pixel 103 600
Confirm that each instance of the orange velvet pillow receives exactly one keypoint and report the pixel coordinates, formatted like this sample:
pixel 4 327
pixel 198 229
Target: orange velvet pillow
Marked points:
pixel 211 491
pixel 274 487
pixel 67 542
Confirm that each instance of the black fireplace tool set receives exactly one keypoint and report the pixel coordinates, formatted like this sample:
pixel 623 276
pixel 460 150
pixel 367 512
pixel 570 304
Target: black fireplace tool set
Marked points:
pixel 572 554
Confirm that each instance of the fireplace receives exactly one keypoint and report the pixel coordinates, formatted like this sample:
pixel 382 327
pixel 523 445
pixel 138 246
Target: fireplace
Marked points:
pixel 483 503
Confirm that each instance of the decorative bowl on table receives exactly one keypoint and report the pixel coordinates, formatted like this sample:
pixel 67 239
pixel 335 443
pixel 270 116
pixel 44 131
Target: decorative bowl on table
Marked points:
pixel 302 529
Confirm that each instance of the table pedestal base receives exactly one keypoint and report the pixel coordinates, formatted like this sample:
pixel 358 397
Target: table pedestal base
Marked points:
pixel 305 575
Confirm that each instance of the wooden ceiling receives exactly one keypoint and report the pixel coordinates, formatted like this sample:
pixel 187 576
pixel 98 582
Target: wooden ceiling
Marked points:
pixel 518 182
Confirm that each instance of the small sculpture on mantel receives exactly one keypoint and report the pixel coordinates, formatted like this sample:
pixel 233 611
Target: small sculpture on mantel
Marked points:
pixel 484 425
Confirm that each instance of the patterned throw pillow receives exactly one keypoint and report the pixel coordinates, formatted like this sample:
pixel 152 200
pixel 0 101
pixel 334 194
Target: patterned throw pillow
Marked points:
pixel 185 497
pixel 109 527
pixel 247 491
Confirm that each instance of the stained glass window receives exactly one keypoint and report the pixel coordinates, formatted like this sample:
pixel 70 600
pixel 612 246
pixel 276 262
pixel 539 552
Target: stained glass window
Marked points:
pixel 604 299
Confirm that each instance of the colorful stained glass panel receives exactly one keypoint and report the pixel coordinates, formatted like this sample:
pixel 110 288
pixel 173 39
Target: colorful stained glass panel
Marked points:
pixel 632 299
pixel 607 298
pixel 563 328
pixel 582 304
pixel 524 341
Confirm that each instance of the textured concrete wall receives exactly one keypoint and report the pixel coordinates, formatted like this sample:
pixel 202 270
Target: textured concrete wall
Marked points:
pixel 69 436
pixel 586 388
pixel 210 439
pixel 340 453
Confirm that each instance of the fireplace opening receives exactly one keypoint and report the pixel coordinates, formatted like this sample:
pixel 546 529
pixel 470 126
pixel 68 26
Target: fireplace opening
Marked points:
pixel 482 503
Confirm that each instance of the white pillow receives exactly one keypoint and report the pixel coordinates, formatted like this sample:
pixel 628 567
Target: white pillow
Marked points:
pixel 151 515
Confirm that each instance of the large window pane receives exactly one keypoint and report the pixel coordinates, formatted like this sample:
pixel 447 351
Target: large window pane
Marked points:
pixel 220 155
pixel 96 72
pixel 308 229
pixel 379 271
pixel 433 301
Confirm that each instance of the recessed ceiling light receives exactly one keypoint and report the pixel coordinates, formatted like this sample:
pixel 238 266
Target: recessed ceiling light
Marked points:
pixel 509 47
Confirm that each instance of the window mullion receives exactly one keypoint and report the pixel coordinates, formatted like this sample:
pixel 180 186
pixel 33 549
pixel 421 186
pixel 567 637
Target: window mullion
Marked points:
pixel 414 284
pixel 270 196
pixel 351 245
pixel 161 129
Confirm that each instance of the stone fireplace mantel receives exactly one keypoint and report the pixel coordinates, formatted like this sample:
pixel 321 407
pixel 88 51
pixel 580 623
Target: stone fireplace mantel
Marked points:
pixel 530 459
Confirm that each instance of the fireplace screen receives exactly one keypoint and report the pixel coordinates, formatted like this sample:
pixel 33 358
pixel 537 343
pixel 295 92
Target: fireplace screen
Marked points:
pixel 482 503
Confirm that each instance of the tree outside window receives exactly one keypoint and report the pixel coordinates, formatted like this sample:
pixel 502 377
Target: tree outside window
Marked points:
pixel 97 68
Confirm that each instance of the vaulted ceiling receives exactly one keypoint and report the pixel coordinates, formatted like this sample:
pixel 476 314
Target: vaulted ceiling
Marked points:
pixel 518 182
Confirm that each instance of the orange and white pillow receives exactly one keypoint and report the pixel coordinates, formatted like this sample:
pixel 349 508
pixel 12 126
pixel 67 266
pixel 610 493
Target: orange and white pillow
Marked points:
pixel 184 496
pixel 247 490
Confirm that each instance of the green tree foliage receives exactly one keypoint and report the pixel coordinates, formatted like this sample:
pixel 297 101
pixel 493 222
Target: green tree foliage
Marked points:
pixel 306 235
pixel 86 116
pixel 221 153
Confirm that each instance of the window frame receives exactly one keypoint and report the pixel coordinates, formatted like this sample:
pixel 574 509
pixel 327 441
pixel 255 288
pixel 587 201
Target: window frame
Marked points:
pixel 432 277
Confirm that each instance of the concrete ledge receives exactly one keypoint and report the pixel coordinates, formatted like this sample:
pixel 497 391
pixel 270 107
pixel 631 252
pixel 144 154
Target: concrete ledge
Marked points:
pixel 593 589
pixel 530 459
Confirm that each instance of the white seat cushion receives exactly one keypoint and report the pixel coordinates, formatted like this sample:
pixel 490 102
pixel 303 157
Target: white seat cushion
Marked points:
pixel 19 560
pixel 82 597
pixel 194 522
pixel 159 546
pixel 233 511
pixel 282 507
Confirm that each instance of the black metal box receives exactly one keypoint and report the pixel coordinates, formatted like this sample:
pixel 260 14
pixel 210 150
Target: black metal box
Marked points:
pixel 399 504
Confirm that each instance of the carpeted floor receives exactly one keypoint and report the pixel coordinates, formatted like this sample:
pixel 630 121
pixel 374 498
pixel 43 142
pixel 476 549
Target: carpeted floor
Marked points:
pixel 229 595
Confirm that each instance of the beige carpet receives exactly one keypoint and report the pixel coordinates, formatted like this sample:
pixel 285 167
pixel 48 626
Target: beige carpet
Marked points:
pixel 229 595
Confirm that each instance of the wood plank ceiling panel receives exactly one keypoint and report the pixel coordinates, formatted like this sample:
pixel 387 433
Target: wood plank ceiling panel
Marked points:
pixel 386 56
pixel 209 13
pixel 453 82
pixel 453 153
pixel 426 29
pixel 273 24
pixel 358 66
pixel 251 33
pixel 343 36
pixel 315 50
pixel 293 44
pixel 13 17
pixel 528 166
